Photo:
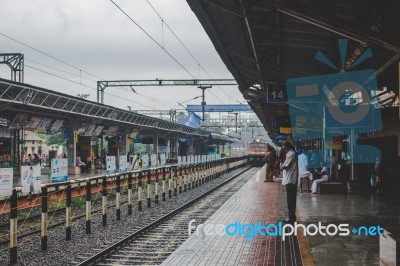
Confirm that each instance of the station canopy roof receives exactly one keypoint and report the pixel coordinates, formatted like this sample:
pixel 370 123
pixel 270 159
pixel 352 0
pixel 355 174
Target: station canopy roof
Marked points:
pixel 216 137
pixel 20 101
pixel 270 41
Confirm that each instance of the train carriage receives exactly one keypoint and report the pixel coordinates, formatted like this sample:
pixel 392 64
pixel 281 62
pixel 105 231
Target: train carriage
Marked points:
pixel 256 151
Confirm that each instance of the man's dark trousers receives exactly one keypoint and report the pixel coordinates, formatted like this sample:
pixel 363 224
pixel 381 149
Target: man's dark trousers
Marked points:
pixel 291 191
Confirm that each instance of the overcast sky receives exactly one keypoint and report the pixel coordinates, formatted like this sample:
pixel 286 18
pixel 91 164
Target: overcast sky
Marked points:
pixel 96 37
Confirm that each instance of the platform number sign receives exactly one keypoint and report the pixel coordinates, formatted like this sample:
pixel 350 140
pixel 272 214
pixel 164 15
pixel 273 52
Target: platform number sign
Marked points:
pixel 276 93
pixel 120 138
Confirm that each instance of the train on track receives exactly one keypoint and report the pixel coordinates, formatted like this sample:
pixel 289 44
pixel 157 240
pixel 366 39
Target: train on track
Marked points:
pixel 256 151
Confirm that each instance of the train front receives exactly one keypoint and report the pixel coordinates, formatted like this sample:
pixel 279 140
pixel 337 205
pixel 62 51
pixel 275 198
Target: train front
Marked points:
pixel 256 151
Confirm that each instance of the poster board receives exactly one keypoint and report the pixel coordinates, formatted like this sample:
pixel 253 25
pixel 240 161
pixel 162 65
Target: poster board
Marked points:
pixel 134 162
pixel 124 165
pixel 31 179
pixel 163 159
pixel 6 181
pixel 153 160
pixel 145 161
pixel 59 170
pixel 111 165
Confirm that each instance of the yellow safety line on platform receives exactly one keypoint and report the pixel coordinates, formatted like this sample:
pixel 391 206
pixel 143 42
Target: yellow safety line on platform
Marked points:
pixel 305 249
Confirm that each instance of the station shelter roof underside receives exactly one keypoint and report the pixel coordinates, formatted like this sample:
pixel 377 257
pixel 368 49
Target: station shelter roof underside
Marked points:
pixel 270 41
pixel 20 98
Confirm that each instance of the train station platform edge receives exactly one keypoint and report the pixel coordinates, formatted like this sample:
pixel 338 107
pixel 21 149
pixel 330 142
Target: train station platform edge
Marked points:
pixel 266 202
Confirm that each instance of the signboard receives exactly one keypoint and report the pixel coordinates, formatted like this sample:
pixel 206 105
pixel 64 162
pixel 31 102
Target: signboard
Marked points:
pixel 59 170
pixel 33 123
pixel 137 140
pixel 153 159
pixel 98 130
pixel 134 162
pixel 163 159
pixel 111 165
pixel 120 138
pixel 112 130
pixel 6 181
pixel 31 179
pixel 18 121
pixel 66 135
pixel 56 125
pixel 82 130
pixel 45 123
pixel 133 135
pixel 145 161
pixel 123 164
pixel 89 130
pixel 285 130
pixel 276 93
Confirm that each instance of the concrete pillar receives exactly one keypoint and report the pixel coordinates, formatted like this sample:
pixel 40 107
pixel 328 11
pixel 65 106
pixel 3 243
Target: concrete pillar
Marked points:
pixel 168 155
pixel 72 169
pixel 191 146
pixel 177 147
pixel 155 145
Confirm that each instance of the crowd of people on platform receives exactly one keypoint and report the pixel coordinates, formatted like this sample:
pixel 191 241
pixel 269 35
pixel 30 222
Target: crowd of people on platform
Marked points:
pixel 32 159
pixel 310 171
pixel 295 168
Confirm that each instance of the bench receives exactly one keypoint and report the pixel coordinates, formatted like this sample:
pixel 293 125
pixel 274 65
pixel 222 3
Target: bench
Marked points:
pixel 331 187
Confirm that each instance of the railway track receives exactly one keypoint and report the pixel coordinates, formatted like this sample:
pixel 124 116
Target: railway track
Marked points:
pixel 153 243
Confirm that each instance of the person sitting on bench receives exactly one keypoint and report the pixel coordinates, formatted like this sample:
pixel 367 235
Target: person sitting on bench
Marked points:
pixel 324 176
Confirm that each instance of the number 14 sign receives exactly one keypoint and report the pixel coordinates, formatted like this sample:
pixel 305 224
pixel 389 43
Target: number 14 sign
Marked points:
pixel 276 93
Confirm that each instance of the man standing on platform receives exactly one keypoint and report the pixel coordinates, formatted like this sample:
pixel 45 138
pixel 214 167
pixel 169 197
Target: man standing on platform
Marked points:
pixel 290 179
pixel 270 159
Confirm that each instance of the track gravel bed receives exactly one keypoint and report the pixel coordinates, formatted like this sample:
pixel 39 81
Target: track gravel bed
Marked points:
pixel 62 252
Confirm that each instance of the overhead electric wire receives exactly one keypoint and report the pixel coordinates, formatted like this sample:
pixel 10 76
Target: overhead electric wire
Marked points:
pixel 80 83
pixel 68 64
pixel 154 40
pixel 159 45
pixel 187 50
pixel 46 54
pixel 87 86
pixel 66 72
pixel 168 104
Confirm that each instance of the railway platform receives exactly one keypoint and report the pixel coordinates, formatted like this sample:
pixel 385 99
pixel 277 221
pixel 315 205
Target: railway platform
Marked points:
pixel 263 202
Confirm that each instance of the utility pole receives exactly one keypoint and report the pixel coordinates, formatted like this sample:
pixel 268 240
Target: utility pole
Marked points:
pixel 203 103
pixel 236 120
